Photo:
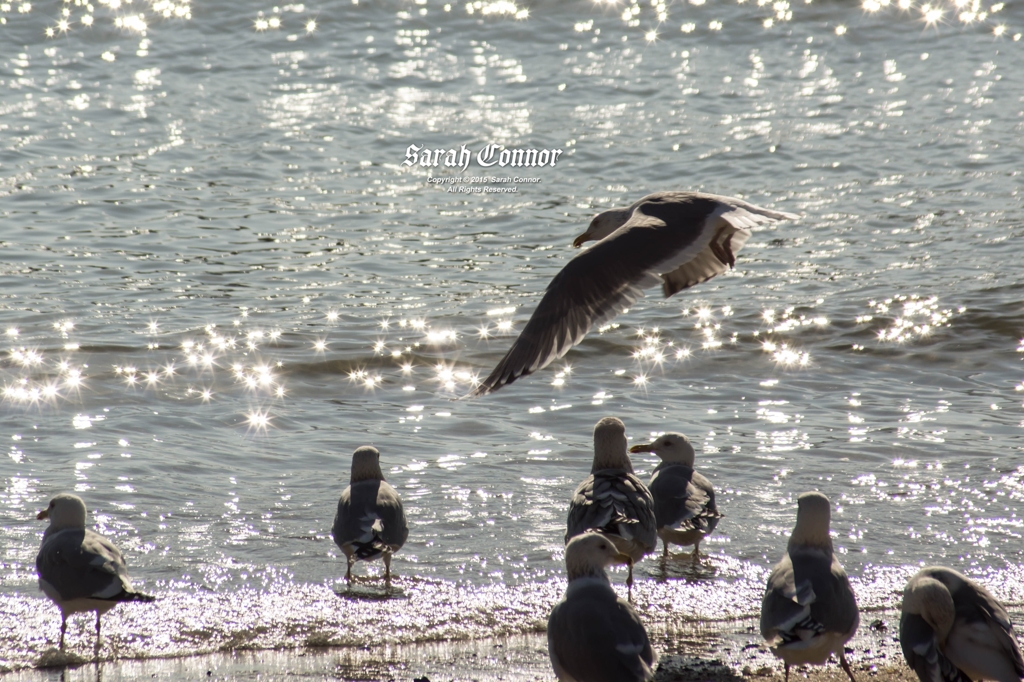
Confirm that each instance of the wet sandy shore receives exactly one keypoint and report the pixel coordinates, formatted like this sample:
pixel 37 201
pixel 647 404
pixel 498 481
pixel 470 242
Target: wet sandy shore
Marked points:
pixel 716 652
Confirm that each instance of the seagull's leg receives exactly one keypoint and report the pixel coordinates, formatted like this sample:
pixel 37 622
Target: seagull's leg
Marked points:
pixel 97 649
pixel 665 555
pixel 63 629
pixel 387 569
pixel 696 552
pixel 629 582
pixel 348 572
pixel 846 666
pixel 787 671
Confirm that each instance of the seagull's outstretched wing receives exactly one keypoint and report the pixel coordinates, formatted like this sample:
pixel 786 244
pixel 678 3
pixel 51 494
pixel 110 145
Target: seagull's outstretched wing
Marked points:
pixel 728 229
pixel 679 233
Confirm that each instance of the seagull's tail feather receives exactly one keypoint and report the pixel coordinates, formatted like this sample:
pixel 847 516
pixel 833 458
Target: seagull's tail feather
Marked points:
pixel 368 551
pixel 705 522
pixel 710 521
pixel 130 595
pixel 802 631
pixel 374 546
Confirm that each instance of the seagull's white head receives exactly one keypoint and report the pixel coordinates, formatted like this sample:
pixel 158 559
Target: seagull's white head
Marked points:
pixel 366 464
pixel 589 554
pixel 813 515
pixel 671 447
pixel 927 597
pixel 603 224
pixel 610 445
pixel 65 511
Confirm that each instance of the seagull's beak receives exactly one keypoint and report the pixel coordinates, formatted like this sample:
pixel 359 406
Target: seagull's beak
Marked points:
pixel 580 240
pixel 45 514
pixel 643 447
pixel 624 559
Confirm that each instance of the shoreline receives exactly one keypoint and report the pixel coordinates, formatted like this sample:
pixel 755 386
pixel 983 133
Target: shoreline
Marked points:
pixel 452 633
pixel 719 652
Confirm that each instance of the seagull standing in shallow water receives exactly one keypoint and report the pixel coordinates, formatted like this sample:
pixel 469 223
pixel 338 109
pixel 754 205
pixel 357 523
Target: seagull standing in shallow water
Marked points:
pixel 594 636
pixel 80 570
pixel 675 239
pixel 953 630
pixel 370 522
pixel 809 610
pixel 684 500
pixel 613 500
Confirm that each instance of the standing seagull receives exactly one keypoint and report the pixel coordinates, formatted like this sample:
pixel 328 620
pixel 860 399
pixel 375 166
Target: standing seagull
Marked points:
pixel 684 501
pixel 675 239
pixel 370 522
pixel 593 636
pixel 80 570
pixel 809 610
pixel 613 500
pixel 953 630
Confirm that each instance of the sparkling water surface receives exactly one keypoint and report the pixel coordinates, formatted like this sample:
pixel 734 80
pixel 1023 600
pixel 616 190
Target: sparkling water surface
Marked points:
pixel 217 279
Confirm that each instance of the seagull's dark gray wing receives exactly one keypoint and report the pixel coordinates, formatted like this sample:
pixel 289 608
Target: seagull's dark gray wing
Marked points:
pixel 80 564
pixel 683 499
pixel 982 641
pixel 617 503
pixel 722 224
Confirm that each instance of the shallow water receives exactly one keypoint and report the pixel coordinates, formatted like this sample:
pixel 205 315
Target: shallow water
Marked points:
pixel 218 279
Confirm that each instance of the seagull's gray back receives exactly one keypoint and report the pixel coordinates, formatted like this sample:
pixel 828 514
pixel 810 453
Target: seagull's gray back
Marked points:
pixel 593 636
pixel 808 582
pixel 80 564
pixel 683 498
pixel 360 507
pixel 618 503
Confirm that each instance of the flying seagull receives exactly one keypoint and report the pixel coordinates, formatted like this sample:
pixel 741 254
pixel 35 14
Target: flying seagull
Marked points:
pixel 675 239
pixel 80 570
